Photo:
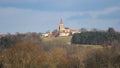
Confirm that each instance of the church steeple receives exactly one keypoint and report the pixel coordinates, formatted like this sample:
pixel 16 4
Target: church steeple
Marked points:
pixel 61 21
pixel 61 27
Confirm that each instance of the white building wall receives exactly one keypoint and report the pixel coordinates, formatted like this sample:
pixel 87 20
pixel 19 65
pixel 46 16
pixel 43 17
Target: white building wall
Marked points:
pixel 64 34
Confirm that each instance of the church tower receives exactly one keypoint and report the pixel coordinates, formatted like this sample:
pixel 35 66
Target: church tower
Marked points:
pixel 61 27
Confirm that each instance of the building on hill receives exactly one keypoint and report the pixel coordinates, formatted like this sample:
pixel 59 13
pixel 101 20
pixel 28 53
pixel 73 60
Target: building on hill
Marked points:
pixel 65 31
pixel 61 31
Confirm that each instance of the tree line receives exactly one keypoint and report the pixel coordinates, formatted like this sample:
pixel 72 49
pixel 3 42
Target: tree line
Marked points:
pixel 97 37
pixel 10 39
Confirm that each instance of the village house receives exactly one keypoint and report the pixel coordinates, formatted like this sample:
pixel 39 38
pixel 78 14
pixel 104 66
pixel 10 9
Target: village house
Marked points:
pixel 47 34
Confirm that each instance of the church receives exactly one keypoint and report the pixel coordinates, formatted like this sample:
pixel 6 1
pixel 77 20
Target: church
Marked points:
pixel 65 31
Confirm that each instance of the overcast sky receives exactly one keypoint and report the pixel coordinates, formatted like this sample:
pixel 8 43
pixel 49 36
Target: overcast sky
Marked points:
pixel 43 15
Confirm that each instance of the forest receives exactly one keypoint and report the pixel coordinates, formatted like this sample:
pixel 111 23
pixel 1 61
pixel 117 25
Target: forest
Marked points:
pixel 30 50
pixel 95 38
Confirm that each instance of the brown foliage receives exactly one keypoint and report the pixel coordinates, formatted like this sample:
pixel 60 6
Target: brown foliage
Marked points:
pixel 23 55
pixel 33 55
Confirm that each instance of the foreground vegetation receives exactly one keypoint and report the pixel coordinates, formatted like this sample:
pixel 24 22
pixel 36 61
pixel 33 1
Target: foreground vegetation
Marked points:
pixel 56 53
pixel 33 55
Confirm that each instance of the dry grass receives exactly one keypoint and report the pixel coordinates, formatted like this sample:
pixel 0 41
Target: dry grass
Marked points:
pixel 63 40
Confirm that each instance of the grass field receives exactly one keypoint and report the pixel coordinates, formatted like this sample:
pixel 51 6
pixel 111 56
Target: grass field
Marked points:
pixel 62 40
pixel 66 41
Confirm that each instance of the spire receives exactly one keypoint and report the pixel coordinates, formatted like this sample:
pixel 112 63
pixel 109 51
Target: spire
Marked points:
pixel 61 27
pixel 61 21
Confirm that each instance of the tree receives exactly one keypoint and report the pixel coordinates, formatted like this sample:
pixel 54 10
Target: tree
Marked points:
pixel 111 30
pixel 55 33
pixel 94 30
pixel 83 30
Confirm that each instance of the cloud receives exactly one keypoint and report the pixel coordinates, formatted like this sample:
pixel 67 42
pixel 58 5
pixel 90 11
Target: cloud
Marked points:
pixel 60 5
pixel 103 12
pixel 19 1
pixel 52 5
pixel 112 12
pixel 43 15
pixel 80 16
pixel 42 1
pixel 25 20
pixel 12 12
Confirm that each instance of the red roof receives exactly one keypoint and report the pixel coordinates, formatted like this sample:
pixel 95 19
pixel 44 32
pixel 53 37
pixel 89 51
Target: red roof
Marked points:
pixel 66 28
pixel 75 31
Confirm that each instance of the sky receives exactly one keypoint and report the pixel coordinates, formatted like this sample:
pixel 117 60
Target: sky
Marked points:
pixel 44 15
